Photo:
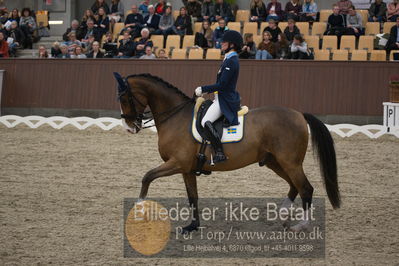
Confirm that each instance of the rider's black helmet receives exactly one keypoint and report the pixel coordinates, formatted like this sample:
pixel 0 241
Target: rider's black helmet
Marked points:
pixel 234 37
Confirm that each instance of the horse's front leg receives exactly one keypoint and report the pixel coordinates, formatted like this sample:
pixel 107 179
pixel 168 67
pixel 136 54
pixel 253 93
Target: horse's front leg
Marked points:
pixel 166 169
pixel 190 180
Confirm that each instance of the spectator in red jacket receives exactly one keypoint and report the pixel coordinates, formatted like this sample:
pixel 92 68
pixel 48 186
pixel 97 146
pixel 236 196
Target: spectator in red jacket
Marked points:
pixel 274 11
pixel 3 46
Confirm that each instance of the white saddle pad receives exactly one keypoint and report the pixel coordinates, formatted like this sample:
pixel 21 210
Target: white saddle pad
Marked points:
pixel 230 135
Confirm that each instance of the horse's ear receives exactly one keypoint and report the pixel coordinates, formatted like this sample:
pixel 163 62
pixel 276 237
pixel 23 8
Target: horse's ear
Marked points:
pixel 121 83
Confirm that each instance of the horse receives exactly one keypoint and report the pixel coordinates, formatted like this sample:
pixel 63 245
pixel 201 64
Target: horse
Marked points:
pixel 276 137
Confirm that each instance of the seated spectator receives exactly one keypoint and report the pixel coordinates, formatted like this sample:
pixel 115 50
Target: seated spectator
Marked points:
pixel 299 49
pixel 309 11
pixel 55 50
pixel 143 8
pixel 162 54
pixel 3 46
pixel 393 41
pixel 43 52
pixel 140 45
pixel 102 23
pixel 291 30
pixel 28 25
pixel 183 24
pixel 377 11
pixel 117 12
pixel 14 16
pixel 248 51
pixel 90 30
pixel 336 23
pixel 282 46
pixel 100 3
pixel 354 23
pixel 274 11
pixel 88 15
pixel 78 53
pixel 393 10
pixel 204 37
pixel 266 49
pixel 344 6
pixel 3 16
pixel 126 46
pixel 207 11
pixel 218 33
pixel 17 36
pixel 273 29
pixel 148 53
pixel 64 52
pixel 95 51
pixel 110 46
pixel 258 12
pixel 74 28
pixel 293 10
pixel 166 23
pixel 160 7
pixel 72 42
pixel 134 22
pixel 88 44
pixel 152 20
pixel 193 9
pixel 223 10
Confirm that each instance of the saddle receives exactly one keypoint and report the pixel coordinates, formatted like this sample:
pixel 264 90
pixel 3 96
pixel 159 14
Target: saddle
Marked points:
pixel 227 134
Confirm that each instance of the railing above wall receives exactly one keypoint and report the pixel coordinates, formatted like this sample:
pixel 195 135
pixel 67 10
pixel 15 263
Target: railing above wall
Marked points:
pixel 338 88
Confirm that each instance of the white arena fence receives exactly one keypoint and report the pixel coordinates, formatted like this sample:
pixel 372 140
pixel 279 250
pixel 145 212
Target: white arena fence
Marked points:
pixel 108 123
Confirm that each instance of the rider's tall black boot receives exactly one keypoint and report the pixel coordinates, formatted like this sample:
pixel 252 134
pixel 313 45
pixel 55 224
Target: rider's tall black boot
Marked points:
pixel 215 142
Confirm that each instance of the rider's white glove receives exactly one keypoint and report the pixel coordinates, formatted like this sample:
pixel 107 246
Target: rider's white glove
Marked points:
pixel 198 92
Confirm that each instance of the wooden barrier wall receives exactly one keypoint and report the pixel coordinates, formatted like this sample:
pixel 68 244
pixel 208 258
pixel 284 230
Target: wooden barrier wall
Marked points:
pixel 339 88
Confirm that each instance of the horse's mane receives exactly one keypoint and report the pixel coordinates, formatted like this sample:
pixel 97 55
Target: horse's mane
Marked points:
pixel 158 79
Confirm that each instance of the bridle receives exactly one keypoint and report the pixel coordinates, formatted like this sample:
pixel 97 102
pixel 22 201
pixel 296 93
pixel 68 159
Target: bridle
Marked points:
pixel 137 121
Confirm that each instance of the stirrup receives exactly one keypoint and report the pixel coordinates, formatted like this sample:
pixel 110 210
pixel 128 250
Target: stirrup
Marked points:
pixel 219 157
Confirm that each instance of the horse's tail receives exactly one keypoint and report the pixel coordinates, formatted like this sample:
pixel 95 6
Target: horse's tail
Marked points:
pixel 323 142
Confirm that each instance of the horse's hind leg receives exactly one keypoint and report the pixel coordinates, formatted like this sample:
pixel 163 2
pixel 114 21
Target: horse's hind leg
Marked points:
pixel 190 180
pixel 272 163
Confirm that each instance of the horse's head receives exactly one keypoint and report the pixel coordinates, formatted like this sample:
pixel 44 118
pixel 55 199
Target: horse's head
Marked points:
pixel 132 108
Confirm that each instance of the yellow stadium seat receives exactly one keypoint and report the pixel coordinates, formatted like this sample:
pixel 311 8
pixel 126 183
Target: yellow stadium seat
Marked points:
pixel 197 27
pixel 118 27
pixel 157 40
pixel 197 53
pixel 378 55
pixel 321 55
pixel 188 41
pixel 176 13
pixel 388 26
pixel 340 55
pixel 281 25
pixel 251 27
pixel 366 43
pixel 312 41
pixel 324 14
pixel 257 40
pixel 359 55
pixel 391 55
pixel 348 42
pixel 365 15
pixel 319 28
pixel 213 54
pixel 234 26
pixel 179 54
pixel 242 15
pixel 330 42
pixel 214 26
pixel 372 28
pixel 42 17
pixel 128 13
pixel 303 27
pixel 173 41
pixel 263 25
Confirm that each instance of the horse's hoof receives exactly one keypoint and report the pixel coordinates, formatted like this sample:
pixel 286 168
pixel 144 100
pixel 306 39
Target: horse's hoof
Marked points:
pixel 301 227
pixel 189 228
pixel 287 223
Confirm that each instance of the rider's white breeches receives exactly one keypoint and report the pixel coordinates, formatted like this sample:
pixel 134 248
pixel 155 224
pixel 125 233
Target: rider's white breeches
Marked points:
pixel 213 113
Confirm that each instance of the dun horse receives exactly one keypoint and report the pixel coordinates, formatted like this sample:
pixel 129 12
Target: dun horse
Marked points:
pixel 274 136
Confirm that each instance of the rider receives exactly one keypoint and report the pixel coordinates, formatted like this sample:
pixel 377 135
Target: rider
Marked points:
pixel 227 99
